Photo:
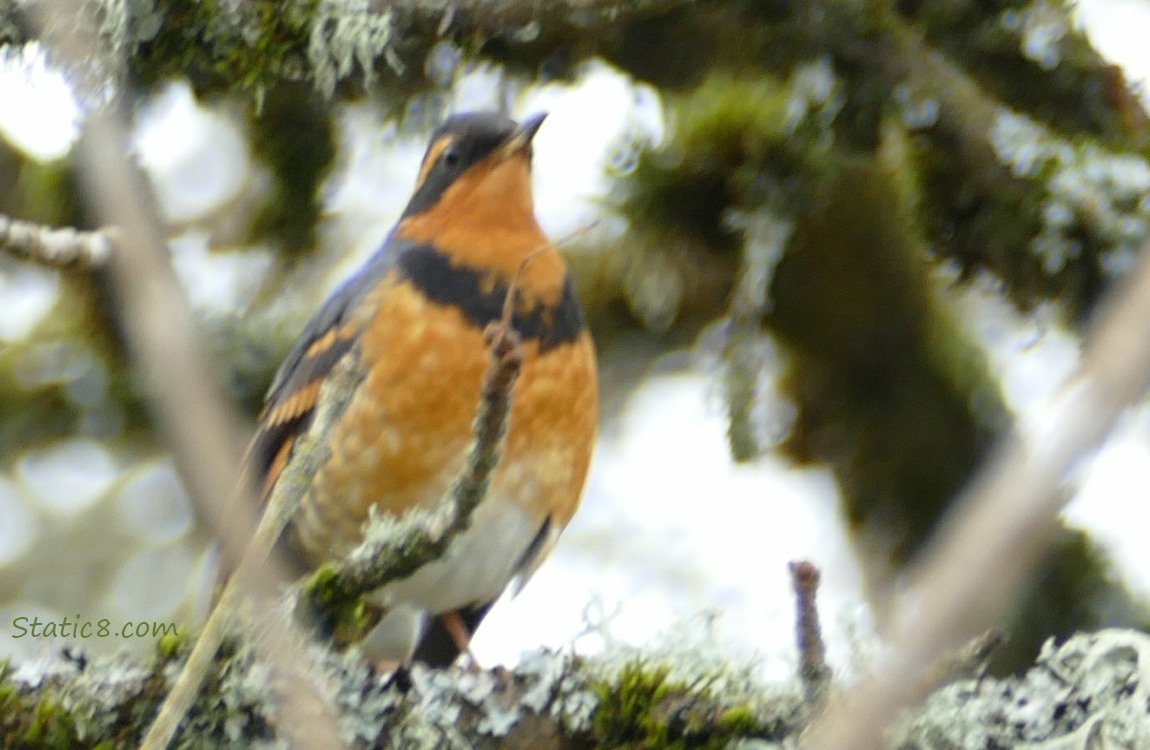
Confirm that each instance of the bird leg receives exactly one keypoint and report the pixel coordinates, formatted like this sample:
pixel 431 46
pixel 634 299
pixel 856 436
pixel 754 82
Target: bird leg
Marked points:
pixel 460 635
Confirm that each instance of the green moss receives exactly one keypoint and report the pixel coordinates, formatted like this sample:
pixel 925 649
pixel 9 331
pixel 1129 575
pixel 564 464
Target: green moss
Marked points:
pixel 41 192
pixel 890 393
pixel 733 144
pixel 739 721
pixel 225 47
pixel 730 137
pixel 1071 591
pixel 170 645
pixel 879 363
pixel 979 228
pixel 624 717
pixel 1058 220
pixel 295 137
pixel 642 707
pixel 343 617
pixel 686 184
pixel 33 722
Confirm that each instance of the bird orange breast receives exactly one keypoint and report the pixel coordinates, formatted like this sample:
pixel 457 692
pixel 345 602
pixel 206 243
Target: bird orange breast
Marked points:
pixel 405 434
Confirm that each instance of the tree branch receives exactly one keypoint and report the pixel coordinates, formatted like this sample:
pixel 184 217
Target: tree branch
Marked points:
pixel 55 248
pixel 189 410
pixel 255 45
pixel 1094 684
pixel 813 669
pixel 1004 525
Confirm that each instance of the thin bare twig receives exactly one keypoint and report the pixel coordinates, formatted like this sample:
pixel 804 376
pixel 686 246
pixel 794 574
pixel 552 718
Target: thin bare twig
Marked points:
pixel 513 287
pixel 813 669
pixel 191 414
pixel 257 569
pixel 189 410
pixel 55 248
pixel 1003 526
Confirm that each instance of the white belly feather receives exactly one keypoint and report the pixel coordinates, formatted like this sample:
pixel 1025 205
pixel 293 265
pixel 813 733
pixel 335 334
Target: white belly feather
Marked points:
pixel 479 564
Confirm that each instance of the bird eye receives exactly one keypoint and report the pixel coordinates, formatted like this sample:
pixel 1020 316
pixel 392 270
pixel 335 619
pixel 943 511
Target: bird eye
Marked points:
pixel 451 157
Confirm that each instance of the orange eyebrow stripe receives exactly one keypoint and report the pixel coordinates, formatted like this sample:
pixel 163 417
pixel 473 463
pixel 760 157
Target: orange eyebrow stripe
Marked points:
pixel 433 155
pixel 294 405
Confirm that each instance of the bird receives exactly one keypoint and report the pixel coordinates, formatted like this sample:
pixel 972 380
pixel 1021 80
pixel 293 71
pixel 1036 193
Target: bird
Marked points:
pixel 410 325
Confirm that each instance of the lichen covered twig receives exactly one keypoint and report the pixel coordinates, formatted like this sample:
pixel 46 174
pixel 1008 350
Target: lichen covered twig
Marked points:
pixel 394 548
pixel 56 248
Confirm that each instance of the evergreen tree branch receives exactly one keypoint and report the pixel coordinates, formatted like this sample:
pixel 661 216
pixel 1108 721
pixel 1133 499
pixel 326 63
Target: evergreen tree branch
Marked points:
pixel 1003 527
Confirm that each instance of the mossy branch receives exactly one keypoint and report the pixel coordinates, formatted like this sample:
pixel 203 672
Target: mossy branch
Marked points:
pixel 1094 685
pixel 254 46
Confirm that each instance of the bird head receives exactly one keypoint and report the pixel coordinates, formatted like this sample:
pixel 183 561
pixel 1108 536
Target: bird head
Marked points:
pixel 474 157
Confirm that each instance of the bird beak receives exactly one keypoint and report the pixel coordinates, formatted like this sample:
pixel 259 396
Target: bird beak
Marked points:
pixel 520 140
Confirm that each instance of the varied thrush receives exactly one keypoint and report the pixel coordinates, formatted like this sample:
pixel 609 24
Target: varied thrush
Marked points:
pixel 411 323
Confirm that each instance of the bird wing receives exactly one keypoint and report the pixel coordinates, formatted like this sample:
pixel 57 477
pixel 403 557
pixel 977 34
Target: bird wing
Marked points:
pixel 291 400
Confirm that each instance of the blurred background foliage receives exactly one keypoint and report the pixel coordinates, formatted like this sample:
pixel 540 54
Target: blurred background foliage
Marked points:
pixel 832 173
